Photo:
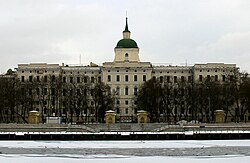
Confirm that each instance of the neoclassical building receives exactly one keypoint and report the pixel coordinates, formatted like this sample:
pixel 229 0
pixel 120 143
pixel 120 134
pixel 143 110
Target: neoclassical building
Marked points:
pixel 124 74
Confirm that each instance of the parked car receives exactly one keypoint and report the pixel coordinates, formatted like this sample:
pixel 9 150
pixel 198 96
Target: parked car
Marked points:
pixel 194 122
pixel 182 122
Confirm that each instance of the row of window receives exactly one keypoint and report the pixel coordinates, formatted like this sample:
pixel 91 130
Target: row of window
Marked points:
pixel 85 79
pixel 71 92
pixel 216 78
pixel 38 78
pixel 126 78
pixel 64 79
pixel 53 92
pixel 126 102
pixel 169 79
pixel 126 91
pixel 92 79
pixel 42 71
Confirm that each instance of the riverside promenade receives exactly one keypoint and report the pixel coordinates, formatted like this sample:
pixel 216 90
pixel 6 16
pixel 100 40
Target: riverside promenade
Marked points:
pixel 125 131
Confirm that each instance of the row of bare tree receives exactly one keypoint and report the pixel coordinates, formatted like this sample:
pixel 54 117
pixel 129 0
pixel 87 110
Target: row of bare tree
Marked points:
pixel 165 102
pixel 184 100
pixel 53 97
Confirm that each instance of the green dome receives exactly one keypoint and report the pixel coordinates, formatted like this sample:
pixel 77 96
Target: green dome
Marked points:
pixel 126 43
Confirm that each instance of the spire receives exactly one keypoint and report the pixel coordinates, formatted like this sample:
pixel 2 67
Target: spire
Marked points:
pixel 126 26
pixel 126 32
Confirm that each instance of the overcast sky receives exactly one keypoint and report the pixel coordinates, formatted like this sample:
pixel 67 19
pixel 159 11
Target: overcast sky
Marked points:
pixel 166 31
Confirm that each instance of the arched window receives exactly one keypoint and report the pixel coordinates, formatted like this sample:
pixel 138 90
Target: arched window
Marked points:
pixel 126 57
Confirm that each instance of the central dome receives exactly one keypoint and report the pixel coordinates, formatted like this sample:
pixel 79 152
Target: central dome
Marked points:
pixel 126 43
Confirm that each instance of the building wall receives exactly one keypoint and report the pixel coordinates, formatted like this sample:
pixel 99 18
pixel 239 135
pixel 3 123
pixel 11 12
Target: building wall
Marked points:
pixel 124 75
pixel 131 77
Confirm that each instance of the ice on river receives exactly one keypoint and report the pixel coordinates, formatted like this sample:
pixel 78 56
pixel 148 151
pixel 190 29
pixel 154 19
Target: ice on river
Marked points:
pixel 125 144
pixel 96 151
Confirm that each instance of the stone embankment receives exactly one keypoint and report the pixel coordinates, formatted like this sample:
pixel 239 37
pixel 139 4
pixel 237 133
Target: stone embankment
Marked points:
pixel 124 131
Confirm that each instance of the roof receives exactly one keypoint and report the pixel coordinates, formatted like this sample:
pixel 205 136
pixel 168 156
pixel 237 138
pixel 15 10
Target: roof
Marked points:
pixel 126 43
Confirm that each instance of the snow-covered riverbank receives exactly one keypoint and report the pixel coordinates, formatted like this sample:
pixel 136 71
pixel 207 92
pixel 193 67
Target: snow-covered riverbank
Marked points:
pixel 125 151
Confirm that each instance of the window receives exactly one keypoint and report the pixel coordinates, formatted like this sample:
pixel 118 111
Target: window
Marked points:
pixel 161 79
pixel 200 78
pixel 64 92
pixel 189 79
pixel 168 79
pixel 175 79
pixel 126 78
pixel 38 78
pixel 117 90
pixel 85 92
pixel 30 91
pixel 78 92
pixel 126 91
pixel 53 91
pixel 182 78
pixel 64 79
pixel 109 78
pixel 30 78
pixel 216 78
pixel 38 91
pixel 135 77
pixel 231 78
pixel 126 111
pixel 78 79
pixel 126 57
pixel 45 78
pixel 117 78
pixel 175 92
pixel 92 79
pixel 22 79
pixel 168 91
pixel 99 79
pixel 126 102
pixel 53 78
pixel 135 91
pixel 85 79
pixel 208 77
pixel 223 78
pixel 117 102
pixel 71 79
pixel 144 78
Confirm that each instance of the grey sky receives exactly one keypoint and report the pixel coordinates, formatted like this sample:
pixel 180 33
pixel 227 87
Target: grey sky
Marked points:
pixel 167 31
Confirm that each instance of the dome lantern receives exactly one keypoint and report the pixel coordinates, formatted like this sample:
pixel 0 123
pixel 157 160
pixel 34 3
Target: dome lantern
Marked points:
pixel 126 42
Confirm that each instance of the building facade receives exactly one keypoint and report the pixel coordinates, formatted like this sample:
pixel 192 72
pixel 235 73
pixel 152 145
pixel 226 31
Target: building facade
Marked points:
pixel 125 74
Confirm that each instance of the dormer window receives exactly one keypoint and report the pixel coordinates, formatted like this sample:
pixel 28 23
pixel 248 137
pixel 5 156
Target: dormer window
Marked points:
pixel 126 57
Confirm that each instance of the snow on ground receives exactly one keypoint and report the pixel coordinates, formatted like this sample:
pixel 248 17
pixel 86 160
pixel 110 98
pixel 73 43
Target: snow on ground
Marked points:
pixel 107 159
pixel 125 144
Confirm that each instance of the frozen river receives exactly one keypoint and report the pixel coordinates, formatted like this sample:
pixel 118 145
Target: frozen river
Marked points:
pixel 125 151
